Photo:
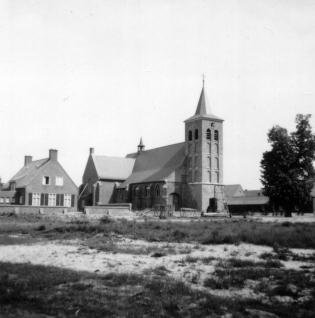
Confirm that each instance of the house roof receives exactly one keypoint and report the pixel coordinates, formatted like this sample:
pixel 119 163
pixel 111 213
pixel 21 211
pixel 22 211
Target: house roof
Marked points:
pixel 24 176
pixel 230 189
pixel 253 193
pixel 156 164
pixel 258 200
pixel 113 168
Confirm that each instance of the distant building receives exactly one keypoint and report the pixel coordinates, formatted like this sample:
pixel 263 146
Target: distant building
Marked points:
pixel 41 182
pixel 239 200
pixel 188 174
pixel 313 197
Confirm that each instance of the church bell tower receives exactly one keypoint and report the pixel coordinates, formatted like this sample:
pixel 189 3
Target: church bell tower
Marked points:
pixel 204 153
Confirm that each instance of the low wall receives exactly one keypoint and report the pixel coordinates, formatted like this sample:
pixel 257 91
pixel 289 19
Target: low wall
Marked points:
pixel 30 209
pixel 111 210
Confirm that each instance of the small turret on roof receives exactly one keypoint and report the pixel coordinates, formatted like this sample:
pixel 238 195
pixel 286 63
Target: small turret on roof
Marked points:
pixel 141 146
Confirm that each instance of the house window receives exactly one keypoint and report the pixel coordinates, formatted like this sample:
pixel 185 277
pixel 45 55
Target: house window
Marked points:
pixel 196 134
pixel 36 199
pixel 52 199
pixel 157 191
pixel 208 134
pixel 7 200
pixel 59 181
pixel 1 200
pixel 59 199
pixel 190 135
pixel 216 135
pixel 67 200
pixel 46 180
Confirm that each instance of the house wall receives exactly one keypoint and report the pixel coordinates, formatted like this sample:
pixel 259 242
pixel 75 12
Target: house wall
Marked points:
pixel 52 169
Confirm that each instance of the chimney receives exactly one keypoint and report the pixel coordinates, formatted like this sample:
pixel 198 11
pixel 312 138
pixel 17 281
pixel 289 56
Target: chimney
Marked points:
pixel 53 154
pixel 91 151
pixel 27 160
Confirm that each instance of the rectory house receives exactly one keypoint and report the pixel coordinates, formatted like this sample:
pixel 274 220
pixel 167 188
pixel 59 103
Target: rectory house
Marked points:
pixel 41 183
pixel 183 175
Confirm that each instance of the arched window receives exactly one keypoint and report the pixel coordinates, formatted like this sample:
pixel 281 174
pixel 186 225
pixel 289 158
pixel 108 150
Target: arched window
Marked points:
pixel 147 191
pixel 216 135
pixel 208 134
pixel 157 190
pixel 218 177
pixel 190 135
pixel 196 134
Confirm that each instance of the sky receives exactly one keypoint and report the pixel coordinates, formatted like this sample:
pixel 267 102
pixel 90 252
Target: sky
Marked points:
pixel 76 74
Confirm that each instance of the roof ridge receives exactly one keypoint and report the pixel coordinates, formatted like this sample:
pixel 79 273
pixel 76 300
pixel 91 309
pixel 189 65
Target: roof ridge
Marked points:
pixel 115 157
pixel 144 151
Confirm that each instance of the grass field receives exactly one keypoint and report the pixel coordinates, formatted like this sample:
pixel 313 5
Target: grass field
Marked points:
pixel 200 268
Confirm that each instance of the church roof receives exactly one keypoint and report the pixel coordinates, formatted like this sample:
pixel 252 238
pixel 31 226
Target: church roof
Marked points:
pixel 113 168
pixel 156 164
pixel 203 110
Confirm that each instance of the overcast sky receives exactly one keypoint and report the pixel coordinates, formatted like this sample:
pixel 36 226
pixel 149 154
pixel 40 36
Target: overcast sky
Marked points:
pixel 76 74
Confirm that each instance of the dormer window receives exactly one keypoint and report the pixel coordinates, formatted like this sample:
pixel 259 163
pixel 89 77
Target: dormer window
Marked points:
pixel 46 180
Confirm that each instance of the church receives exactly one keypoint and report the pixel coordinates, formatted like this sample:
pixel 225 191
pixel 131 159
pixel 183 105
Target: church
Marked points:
pixel 183 175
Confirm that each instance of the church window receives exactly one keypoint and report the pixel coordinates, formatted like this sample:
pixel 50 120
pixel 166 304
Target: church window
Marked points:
pixel 216 135
pixel 190 135
pixel 147 191
pixel 209 162
pixel 208 134
pixel 209 173
pixel 209 145
pixel 196 147
pixel 189 162
pixel 196 175
pixel 217 149
pixel 217 163
pixel 218 177
pixel 157 190
pixel 189 148
pixel 196 134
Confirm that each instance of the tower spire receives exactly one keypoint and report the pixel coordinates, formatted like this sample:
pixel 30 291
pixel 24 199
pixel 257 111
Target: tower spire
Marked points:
pixel 202 107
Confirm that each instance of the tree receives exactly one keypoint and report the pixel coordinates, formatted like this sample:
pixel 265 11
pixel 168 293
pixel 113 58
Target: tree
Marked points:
pixel 287 169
